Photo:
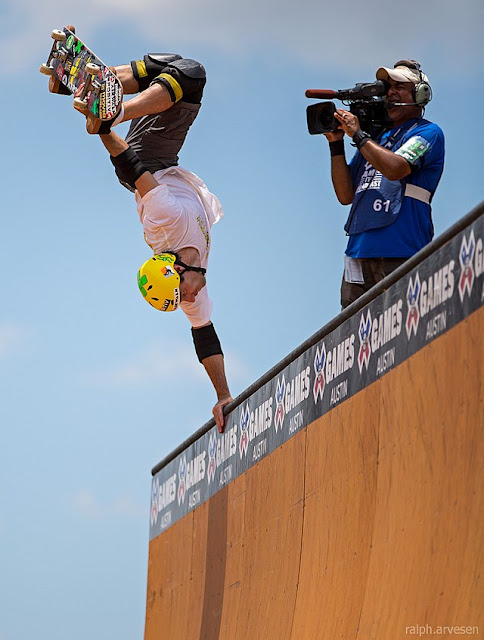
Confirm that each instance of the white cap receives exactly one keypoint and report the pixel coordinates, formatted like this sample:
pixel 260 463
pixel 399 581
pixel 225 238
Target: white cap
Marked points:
pixel 402 73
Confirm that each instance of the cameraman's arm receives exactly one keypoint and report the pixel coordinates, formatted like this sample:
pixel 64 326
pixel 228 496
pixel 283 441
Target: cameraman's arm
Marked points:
pixel 391 165
pixel 340 171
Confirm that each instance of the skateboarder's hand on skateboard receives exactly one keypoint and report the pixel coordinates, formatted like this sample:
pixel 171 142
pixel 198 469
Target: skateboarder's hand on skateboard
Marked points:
pixel 92 123
pixel 96 125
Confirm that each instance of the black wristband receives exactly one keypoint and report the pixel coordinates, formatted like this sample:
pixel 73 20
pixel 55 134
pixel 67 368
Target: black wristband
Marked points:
pixel 360 138
pixel 337 148
pixel 105 126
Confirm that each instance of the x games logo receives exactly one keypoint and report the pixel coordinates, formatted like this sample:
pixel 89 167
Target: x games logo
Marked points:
pixel 182 476
pixel 413 316
pixel 365 348
pixel 466 258
pixel 212 452
pixel 280 393
pixel 319 360
pixel 155 490
pixel 244 431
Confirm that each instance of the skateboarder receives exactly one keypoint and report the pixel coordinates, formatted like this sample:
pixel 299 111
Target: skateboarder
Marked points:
pixel 175 207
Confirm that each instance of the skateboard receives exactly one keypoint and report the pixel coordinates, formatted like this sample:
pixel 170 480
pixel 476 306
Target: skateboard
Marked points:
pixel 79 70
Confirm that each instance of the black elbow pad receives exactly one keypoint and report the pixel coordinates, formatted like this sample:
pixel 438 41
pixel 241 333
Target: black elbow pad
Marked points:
pixel 128 167
pixel 206 342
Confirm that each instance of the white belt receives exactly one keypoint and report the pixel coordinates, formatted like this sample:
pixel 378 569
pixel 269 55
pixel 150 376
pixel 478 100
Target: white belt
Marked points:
pixel 412 191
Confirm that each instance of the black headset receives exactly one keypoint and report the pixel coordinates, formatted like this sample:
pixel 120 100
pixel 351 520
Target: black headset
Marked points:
pixel 422 91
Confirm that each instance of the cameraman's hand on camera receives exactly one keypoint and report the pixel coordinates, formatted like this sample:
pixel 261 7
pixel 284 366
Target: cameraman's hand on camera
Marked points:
pixel 333 136
pixel 340 171
pixel 349 123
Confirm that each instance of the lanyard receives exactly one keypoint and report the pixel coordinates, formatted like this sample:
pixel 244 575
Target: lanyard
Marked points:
pixel 398 135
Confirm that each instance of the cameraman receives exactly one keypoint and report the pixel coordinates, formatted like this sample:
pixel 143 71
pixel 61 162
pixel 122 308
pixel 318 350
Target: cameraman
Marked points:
pixel 389 182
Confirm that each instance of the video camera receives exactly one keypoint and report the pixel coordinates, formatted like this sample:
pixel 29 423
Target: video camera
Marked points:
pixel 365 100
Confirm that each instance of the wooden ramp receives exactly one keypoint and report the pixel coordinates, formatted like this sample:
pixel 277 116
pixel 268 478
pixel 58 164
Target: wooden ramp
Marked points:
pixel 365 524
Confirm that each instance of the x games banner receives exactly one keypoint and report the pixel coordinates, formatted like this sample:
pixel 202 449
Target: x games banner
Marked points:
pixel 431 299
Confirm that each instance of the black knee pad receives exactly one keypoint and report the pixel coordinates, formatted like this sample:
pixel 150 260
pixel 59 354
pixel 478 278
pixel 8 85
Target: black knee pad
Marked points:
pixel 152 65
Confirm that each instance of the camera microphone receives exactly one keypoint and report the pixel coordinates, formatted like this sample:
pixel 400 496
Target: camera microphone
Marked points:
pixel 325 94
pixel 361 91
pixel 389 105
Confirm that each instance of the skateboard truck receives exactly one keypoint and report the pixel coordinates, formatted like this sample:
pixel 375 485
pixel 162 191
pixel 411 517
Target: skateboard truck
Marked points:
pixel 92 71
pixel 56 52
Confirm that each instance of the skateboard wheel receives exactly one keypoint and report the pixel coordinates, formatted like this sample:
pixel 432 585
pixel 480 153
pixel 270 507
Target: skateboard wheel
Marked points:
pixel 46 70
pixel 58 35
pixel 80 104
pixel 92 69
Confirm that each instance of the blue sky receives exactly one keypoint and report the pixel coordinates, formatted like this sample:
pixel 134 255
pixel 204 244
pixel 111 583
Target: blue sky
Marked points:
pixel 96 386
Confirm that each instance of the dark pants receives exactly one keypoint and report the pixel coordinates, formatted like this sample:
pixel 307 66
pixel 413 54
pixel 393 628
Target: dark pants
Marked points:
pixel 374 270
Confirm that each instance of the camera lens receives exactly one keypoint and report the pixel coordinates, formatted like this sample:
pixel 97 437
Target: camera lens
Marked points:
pixel 321 118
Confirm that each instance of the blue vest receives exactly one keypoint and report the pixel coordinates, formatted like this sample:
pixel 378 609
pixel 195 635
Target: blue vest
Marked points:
pixel 378 200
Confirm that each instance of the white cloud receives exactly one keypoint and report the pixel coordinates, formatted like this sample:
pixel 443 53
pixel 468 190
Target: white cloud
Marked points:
pixel 352 35
pixel 86 505
pixel 152 364
pixel 161 361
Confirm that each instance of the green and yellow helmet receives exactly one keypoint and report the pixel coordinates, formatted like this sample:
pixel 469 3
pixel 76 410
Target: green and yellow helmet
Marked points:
pixel 159 282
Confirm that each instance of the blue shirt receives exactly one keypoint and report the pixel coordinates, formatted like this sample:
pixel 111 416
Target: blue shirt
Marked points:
pixel 395 226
